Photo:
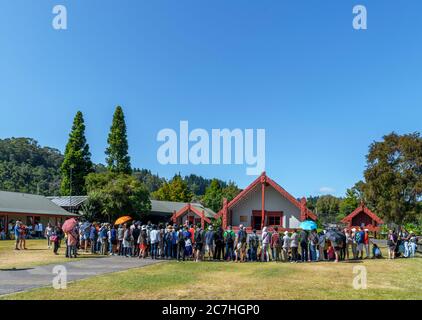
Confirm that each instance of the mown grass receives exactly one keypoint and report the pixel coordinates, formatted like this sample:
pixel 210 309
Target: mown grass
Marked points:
pixel 37 254
pixel 398 279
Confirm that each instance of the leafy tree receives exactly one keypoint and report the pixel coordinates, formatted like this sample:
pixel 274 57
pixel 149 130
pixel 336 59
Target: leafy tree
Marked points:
pixel 349 203
pixel 327 208
pixel 91 209
pixel 118 194
pixel 175 190
pixel 152 181
pixel 213 197
pixel 394 177
pixel 77 160
pixel 198 184
pixel 230 191
pixel 118 159
pixel 311 202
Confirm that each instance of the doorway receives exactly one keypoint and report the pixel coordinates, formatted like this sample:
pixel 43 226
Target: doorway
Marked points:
pixel 256 222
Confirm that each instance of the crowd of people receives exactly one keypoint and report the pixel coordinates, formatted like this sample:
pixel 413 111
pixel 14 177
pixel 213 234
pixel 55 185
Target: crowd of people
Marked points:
pixel 190 242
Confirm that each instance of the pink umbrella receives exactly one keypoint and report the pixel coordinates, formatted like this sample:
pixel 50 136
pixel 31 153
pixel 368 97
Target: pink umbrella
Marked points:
pixel 69 225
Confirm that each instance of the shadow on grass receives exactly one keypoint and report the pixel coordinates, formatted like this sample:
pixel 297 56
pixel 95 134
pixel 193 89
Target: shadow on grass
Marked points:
pixel 16 269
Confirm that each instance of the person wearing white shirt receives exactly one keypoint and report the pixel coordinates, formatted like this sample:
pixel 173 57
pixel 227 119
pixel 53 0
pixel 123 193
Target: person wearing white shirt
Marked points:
pixel 286 246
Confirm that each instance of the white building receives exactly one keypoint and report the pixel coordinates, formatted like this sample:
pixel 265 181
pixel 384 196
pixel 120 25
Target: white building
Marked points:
pixel 265 203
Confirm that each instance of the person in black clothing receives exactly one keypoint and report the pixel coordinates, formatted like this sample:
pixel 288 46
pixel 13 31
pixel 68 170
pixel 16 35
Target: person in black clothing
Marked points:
pixel 135 233
pixel 180 245
pixel 219 244
pixel 304 242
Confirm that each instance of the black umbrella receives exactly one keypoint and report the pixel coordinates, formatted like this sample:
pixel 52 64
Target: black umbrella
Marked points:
pixel 334 236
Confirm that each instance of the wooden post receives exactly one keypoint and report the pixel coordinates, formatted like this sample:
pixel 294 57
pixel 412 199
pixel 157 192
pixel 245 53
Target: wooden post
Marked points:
pixel 263 181
pixel 303 209
pixel 225 213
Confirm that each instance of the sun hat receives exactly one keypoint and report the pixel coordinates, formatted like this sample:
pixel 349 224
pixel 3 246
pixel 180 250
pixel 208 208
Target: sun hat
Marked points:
pixel 286 233
pixel 210 227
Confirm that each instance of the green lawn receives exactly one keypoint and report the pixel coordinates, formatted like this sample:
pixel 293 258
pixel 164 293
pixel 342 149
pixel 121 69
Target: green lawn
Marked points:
pixel 398 279
pixel 37 254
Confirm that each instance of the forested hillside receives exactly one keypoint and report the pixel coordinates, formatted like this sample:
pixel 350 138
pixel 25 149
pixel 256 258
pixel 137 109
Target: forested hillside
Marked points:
pixel 25 166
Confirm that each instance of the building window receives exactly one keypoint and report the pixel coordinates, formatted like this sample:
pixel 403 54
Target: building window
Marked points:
pixel 243 219
pixel 274 220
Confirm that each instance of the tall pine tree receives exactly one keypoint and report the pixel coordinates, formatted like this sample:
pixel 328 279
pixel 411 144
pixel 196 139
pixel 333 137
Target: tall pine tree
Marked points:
pixel 118 159
pixel 77 160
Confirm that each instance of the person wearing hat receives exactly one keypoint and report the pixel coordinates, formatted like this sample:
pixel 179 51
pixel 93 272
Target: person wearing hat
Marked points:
pixel 209 242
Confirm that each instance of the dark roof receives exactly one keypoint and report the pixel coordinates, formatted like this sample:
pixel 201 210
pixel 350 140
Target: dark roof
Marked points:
pixel 14 202
pixel 364 209
pixel 67 201
pixel 166 206
pixel 170 207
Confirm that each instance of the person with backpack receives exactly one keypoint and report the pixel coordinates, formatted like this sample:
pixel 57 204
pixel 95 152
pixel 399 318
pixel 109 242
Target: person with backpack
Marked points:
pixel 229 237
pixel 354 245
pixel 55 239
pixel 199 243
pixel 253 245
pixel 285 247
pixel 168 239
pixel 413 244
pixel 93 238
pixel 349 242
pixel 313 246
pixel 113 240
pixel 154 239
pixel 219 244
pixel 188 243
pixel 143 242
pixel 209 242
pixel 135 233
pixel 366 243
pixel 276 244
pixel 294 244
pixel 242 238
pixel 304 245
pixel 180 244
pixel 120 232
pixel 192 237
pixel 359 238
pixel 392 244
pixel 266 238
pixel 321 246
pixel 174 242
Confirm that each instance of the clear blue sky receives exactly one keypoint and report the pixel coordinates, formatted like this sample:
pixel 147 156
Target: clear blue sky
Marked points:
pixel 298 69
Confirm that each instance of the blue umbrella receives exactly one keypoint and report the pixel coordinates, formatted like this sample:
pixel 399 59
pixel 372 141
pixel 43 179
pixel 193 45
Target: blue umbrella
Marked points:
pixel 308 225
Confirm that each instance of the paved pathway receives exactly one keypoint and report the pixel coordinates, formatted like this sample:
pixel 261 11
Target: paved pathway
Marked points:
pixel 25 279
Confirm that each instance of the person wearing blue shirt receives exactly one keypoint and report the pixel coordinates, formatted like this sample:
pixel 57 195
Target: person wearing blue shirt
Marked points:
pixel 359 238
pixel 174 242
pixel 93 238
pixel 17 231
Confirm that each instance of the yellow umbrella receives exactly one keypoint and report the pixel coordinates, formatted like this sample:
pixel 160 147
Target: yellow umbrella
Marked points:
pixel 123 220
